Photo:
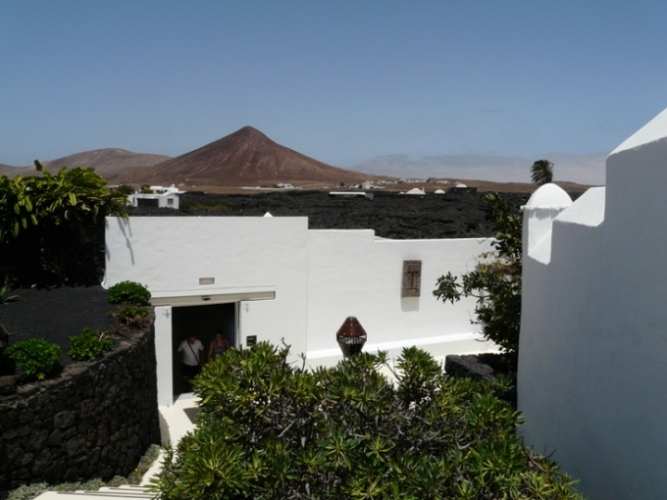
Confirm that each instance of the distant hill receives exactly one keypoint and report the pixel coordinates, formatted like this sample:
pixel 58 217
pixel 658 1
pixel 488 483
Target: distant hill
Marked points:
pixel 104 161
pixel 245 158
pixel 11 171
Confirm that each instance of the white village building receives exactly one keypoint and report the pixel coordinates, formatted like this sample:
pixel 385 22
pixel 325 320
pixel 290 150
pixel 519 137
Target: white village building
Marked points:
pixel 273 279
pixel 160 196
pixel 593 346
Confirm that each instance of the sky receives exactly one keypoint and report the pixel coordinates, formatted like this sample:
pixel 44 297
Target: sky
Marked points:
pixel 345 82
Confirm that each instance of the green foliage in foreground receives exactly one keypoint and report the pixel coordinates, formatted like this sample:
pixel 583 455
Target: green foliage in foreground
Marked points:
pixel 52 227
pixel 35 356
pixel 129 292
pixel 268 430
pixel 89 345
pixel 496 281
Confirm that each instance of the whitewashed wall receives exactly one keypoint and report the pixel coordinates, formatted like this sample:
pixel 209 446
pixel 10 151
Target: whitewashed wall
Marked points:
pixel 315 278
pixel 593 352
pixel 244 255
pixel 350 273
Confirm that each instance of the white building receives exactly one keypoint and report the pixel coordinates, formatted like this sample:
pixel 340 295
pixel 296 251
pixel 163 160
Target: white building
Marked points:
pixel 593 346
pixel 162 197
pixel 271 278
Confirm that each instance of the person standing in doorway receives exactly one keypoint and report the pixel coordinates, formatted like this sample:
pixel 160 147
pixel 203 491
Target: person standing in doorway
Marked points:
pixel 191 350
pixel 219 345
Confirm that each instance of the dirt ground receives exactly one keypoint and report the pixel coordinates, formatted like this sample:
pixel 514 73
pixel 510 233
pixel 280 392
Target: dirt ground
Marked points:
pixel 56 314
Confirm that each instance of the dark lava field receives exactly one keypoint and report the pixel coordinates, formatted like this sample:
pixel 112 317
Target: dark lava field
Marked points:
pixel 390 215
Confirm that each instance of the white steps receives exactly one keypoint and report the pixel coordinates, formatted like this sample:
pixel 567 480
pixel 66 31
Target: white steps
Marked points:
pixel 125 491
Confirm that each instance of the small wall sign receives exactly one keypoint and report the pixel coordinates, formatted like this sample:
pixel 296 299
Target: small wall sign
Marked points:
pixel 412 278
pixel 250 340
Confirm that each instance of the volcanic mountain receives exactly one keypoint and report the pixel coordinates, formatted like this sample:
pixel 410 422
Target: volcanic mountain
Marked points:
pixel 245 158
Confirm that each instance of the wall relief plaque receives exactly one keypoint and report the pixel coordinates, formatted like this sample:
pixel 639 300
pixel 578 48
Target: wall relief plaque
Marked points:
pixel 412 278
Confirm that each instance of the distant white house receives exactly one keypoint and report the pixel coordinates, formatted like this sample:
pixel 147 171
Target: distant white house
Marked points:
pixel 162 197
pixel 272 278
pixel 166 190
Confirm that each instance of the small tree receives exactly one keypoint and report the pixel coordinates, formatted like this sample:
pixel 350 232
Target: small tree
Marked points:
pixel 542 172
pixel 496 281
pixel 125 189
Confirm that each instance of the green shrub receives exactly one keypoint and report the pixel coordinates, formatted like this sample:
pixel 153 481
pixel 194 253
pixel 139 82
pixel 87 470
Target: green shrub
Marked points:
pixel 129 292
pixel 52 227
pixel 35 356
pixel 130 315
pixel 125 189
pixel 496 280
pixel 90 344
pixel 269 430
pixel 28 492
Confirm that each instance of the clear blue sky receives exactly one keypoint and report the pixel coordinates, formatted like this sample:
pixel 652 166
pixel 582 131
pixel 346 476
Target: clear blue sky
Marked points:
pixel 342 81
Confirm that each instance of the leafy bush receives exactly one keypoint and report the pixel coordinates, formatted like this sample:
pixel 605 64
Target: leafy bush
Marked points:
pixel 35 356
pixel 129 292
pixel 496 281
pixel 267 430
pixel 90 344
pixel 52 227
pixel 125 189
pixel 130 315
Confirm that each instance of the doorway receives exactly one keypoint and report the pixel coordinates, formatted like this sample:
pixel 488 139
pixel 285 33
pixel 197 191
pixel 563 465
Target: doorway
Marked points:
pixel 203 321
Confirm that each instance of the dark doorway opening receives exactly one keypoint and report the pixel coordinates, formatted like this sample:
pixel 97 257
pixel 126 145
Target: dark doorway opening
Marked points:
pixel 203 321
pixel 148 202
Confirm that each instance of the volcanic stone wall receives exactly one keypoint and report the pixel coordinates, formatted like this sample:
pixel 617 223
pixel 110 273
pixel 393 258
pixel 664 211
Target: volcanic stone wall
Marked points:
pixel 96 420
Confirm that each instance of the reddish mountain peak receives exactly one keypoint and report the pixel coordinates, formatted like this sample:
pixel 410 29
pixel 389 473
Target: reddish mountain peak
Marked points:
pixel 249 131
pixel 246 157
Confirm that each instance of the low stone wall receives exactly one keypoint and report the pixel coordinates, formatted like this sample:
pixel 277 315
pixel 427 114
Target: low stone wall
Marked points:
pixel 96 420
